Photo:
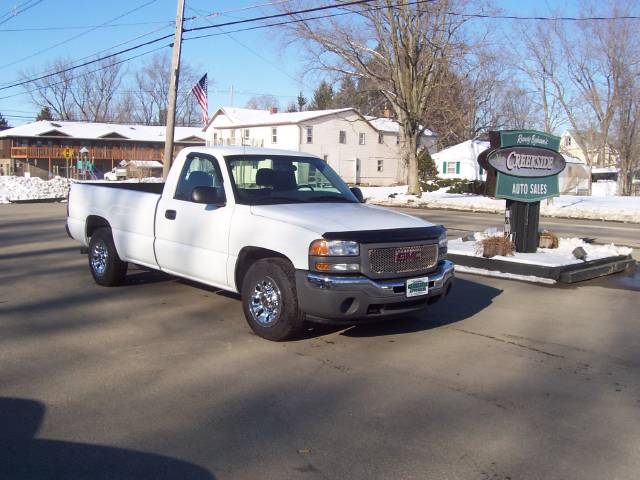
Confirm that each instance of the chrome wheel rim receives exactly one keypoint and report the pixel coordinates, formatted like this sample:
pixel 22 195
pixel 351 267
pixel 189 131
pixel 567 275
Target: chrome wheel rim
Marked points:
pixel 266 302
pixel 99 256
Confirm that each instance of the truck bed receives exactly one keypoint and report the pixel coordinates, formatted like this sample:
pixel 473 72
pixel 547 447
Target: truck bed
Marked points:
pixel 148 187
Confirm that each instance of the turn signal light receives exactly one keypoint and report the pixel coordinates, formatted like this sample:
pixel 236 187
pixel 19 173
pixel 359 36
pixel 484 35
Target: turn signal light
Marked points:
pixel 319 248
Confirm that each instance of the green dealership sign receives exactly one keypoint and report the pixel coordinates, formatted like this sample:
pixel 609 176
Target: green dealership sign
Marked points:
pixel 527 138
pixel 526 189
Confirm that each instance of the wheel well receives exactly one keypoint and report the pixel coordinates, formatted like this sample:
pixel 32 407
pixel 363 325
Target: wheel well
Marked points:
pixel 250 255
pixel 95 222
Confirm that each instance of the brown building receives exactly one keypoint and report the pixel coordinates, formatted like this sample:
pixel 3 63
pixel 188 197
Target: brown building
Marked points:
pixel 40 147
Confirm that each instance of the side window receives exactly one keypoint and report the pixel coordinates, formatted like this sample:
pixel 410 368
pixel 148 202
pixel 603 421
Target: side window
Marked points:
pixel 198 171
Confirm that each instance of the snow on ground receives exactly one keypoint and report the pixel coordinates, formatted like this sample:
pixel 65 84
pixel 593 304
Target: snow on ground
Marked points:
pixel 616 208
pixel 24 188
pixel 549 257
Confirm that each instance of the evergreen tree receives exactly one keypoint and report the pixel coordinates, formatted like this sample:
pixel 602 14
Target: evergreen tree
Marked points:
pixel 322 97
pixel 427 169
pixel 347 96
pixel 3 123
pixel 45 114
pixel 302 101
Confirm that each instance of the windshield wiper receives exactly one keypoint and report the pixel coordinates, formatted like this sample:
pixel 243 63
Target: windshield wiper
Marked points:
pixel 328 198
pixel 268 200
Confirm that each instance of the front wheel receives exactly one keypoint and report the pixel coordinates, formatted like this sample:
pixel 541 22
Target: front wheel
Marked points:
pixel 106 267
pixel 269 300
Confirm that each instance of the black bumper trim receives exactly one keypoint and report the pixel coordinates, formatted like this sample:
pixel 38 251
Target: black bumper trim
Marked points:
pixel 352 299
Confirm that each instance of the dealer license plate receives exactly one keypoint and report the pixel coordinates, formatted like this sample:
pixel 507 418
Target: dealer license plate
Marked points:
pixel 417 286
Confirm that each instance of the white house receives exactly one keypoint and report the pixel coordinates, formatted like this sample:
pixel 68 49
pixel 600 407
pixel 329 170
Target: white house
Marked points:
pixel 363 150
pixel 459 161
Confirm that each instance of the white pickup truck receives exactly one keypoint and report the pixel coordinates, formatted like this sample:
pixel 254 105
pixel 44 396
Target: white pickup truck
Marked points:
pixel 280 228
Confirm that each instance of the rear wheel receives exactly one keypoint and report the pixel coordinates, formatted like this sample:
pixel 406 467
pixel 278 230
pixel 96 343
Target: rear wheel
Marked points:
pixel 269 300
pixel 106 267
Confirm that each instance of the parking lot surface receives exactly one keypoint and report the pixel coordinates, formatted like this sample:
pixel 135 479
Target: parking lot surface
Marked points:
pixel 162 378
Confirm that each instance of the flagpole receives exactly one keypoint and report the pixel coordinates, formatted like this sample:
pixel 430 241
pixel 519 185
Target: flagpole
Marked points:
pixel 173 91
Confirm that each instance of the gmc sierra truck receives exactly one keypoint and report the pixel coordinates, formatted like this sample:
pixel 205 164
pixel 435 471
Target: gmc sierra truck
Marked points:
pixel 280 228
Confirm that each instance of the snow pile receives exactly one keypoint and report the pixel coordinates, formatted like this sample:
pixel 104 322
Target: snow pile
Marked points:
pixel 622 209
pixel 550 257
pixel 24 188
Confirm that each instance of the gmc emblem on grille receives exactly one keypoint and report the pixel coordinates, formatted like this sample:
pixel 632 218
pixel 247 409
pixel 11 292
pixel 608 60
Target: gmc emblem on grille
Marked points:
pixel 408 254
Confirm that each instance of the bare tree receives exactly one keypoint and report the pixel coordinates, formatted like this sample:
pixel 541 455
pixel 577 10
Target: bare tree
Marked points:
pixel 151 92
pixel 263 102
pixel 399 48
pixel 54 92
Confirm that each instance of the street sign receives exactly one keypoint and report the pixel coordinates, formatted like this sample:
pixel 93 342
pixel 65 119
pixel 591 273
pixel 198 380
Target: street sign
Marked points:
pixel 67 153
pixel 529 189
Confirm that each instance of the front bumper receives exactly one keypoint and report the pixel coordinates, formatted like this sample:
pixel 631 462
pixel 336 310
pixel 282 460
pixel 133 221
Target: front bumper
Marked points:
pixel 343 299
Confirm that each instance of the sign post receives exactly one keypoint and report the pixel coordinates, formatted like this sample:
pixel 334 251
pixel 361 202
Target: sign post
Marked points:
pixel 522 167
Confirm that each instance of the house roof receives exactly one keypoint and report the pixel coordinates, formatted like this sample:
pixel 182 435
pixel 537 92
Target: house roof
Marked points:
pixel 102 131
pixel 468 150
pixel 248 117
pixel 389 125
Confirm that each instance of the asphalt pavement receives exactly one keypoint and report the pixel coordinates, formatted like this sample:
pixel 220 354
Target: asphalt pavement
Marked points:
pixel 162 379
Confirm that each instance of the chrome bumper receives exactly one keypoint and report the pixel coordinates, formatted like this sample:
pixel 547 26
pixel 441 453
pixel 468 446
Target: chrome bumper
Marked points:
pixel 380 288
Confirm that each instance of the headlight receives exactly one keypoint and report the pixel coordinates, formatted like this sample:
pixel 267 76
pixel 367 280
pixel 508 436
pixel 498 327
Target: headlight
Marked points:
pixel 442 240
pixel 338 248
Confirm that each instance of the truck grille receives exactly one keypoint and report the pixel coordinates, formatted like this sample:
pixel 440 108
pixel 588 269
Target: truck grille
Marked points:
pixel 407 259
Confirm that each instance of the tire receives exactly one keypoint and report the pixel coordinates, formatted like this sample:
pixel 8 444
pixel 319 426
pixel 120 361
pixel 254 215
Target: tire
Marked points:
pixel 104 263
pixel 269 300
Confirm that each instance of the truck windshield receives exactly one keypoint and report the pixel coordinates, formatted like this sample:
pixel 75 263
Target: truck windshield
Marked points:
pixel 271 179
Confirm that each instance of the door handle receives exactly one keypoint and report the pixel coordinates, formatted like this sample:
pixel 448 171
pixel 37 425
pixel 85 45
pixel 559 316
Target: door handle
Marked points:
pixel 170 214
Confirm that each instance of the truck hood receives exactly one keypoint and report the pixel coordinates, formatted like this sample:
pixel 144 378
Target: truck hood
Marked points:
pixel 338 217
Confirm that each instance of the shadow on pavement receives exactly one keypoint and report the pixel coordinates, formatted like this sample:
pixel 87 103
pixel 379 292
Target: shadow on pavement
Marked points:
pixel 23 457
pixel 466 299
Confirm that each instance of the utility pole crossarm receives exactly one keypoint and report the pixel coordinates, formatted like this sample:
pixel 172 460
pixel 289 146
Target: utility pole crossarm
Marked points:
pixel 173 91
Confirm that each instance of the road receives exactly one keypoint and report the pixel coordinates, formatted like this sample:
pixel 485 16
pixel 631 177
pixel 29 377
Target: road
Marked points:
pixel 162 379
pixel 460 223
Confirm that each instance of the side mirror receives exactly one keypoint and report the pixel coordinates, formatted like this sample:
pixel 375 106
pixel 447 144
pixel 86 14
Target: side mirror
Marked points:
pixel 208 196
pixel 357 193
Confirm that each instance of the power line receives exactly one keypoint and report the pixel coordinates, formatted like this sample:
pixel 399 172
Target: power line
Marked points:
pixel 95 54
pixel 135 47
pixel 14 12
pixel 81 27
pixel 285 14
pixel 87 73
pixel 149 2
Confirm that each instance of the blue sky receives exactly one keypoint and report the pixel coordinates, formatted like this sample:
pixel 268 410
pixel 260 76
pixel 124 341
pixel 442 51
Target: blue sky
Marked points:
pixel 253 62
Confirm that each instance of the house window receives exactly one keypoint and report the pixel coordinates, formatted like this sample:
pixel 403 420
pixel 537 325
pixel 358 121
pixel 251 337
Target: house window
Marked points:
pixel 274 135
pixel 567 142
pixel 380 165
pixel 309 134
pixel 397 139
pixel 247 133
pixel 343 136
pixel 215 138
pixel 380 138
pixel 361 139
pixel 451 167
pixel 325 158
pixel 233 133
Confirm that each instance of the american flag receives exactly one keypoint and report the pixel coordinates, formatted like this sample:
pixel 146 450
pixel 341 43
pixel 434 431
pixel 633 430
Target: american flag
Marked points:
pixel 200 91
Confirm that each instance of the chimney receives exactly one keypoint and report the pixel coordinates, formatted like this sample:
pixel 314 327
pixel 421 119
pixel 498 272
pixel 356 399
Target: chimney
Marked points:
pixel 273 110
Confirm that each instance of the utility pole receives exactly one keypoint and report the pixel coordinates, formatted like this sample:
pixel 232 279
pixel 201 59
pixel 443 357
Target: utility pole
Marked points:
pixel 173 91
